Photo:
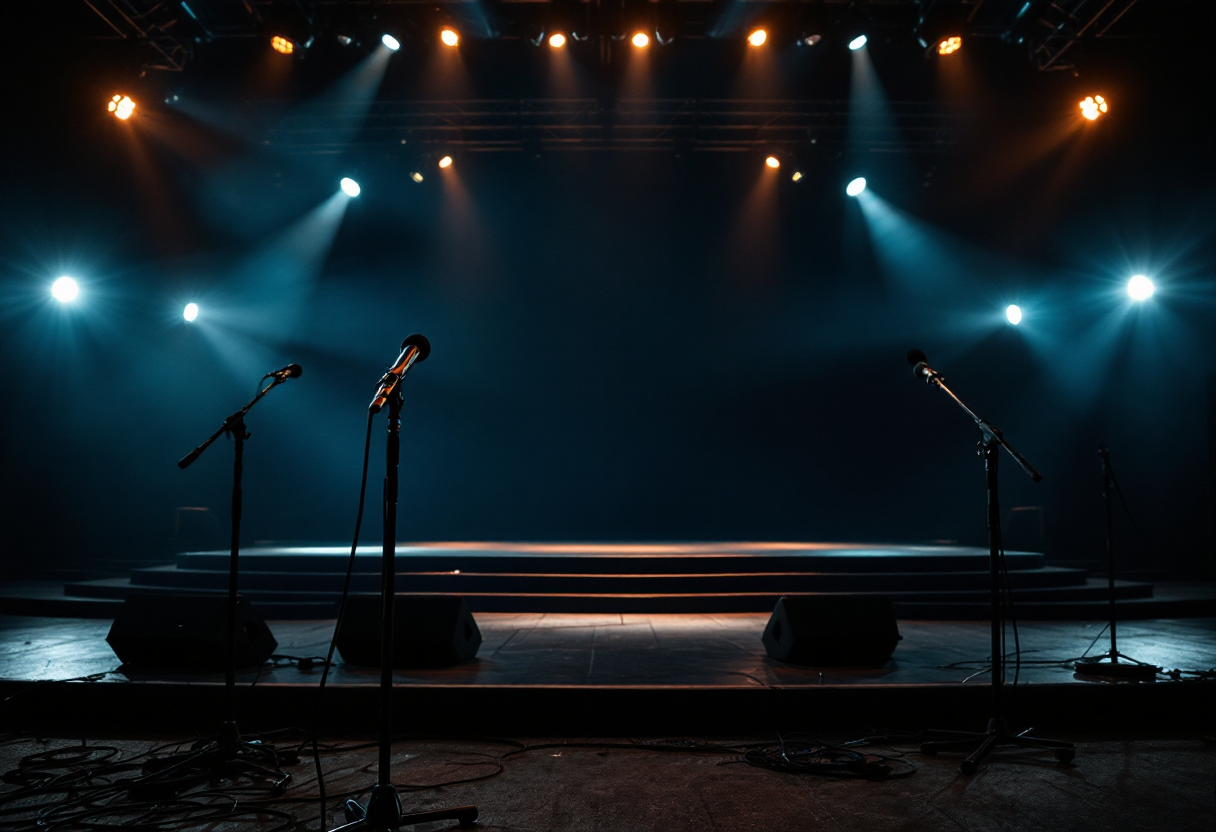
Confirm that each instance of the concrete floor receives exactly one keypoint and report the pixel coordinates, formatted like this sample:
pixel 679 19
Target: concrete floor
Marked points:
pixel 1161 782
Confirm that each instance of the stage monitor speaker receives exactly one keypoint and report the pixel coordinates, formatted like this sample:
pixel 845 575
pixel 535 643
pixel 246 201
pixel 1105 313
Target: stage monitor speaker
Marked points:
pixel 187 632
pixel 428 631
pixel 832 630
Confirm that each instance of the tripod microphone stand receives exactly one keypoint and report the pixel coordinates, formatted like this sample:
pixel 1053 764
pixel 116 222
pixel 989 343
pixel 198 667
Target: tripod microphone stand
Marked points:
pixel 227 754
pixel 1131 669
pixel 997 732
pixel 382 812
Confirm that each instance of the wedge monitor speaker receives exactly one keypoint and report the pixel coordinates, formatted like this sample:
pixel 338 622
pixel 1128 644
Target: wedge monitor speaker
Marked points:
pixel 428 631
pixel 187 632
pixel 832 630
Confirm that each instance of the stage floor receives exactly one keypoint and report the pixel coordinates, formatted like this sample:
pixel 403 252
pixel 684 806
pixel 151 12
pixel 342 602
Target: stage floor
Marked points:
pixel 624 673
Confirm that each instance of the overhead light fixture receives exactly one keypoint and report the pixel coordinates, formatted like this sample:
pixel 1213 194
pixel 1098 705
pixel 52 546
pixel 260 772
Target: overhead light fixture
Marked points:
pixel 449 36
pixel 809 40
pixel 445 162
pixel 282 45
pixel 757 37
pixel 190 313
pixel 557 40
pixel 856 186
pixel 391 43
pixel 121 106
pixel 950 45
pixel 640 39
pixel 1093 107
pixel 65 289
pixel 1013 314
pixel 350 187
pixel 1140 288
pixel 857 42
pixel 772 162
pixel 797 177
pixel 416 176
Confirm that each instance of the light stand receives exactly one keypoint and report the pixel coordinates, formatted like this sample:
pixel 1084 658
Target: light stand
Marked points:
pixel 227 753
pixel 997 732
pixel 1107 665
pixel 382 812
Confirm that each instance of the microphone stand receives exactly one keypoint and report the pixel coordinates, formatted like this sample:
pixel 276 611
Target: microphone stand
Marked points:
pixel 997 732
pixel 382 812
pixel 228 754
pixel 1132 670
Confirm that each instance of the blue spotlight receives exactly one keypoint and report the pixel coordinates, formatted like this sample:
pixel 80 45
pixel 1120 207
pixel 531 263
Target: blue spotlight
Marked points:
pixel 1140 288
pixel 391 43
pixel 190 312
pixel 65 289
pixel 856 186
pixel 350 187
pixel 857 42
pixel 1013 314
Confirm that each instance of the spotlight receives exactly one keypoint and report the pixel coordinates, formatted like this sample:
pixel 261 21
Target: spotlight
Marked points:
pixel 65 289
pixel 449 36
pixel 757 37
pixel 391 43
pixel 121 106
pixel 557 40
pixel 350 187
pixel 416 176
pixel 190 312
pixel 1138 288
pixel 856 186
pixel 950 45
pixel 773 162
pixel 640 39
pixel 1093 106
pixel 1013 314
pixel 445 162
pixel 857 42
pixel 797 177
pixel 809 40
pixel 282 45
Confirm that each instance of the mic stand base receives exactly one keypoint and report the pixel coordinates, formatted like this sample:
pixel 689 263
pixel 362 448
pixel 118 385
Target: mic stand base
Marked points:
pixel 383 813
pixel 997 735
pixel 1109 666
pixel 225 757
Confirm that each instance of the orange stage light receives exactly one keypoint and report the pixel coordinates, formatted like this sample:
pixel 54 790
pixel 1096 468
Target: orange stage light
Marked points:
pixel 283 45
pixel 1093 107
pixel 950 45
pixel 121 106
pixel 445 162
pixel 557 40
pixel 449 36
pixel 773 162
pixel 641 40
pixel 757 37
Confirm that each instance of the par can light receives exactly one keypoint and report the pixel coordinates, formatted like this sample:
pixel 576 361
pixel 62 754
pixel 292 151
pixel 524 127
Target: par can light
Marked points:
pixel 856 186
pixel 65 289
pixel 857 43
pixel 1013 314
pixel 391 43
pixel 350 187
pixel 557 40
pixel 1140 288
pixel 190 312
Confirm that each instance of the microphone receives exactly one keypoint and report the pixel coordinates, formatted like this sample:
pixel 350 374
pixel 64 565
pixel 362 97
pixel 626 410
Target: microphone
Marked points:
pixel 290 371
pixel 920 366
pixel 415 348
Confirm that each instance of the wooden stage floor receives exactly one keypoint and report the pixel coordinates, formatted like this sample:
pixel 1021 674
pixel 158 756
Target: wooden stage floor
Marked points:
pixel 619 674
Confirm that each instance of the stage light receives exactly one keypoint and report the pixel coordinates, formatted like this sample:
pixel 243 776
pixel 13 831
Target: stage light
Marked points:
pixel 1093 106
pixel 797 177
pixel 65 289
pixel 857 42
pixel 391 43
pixel 757 37
pixel 350 187
pixel 449 36
pixel 809 40
pixel 557 40
pixel 950 45
pixel 1140 287
pixel 856 186
pixel 640 39
pixel 416 176
pixel 445 162
pixel 1013 314
pixel 282 45
pixel 773 162
pixel 190 312
pixel 121 106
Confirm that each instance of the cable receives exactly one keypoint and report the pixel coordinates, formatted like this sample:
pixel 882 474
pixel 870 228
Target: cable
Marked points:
pixel 333 641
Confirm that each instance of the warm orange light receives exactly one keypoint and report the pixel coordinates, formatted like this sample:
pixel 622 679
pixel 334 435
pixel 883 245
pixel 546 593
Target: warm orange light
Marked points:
pixel 757 37
pixel 449 36
pixel 1093 106
pixel 121 106
pixel 950 45
pixel 641 40
pixel 797 177
pixel 773 162
pixel 557 40
pixel 281 44
pixel 445 162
